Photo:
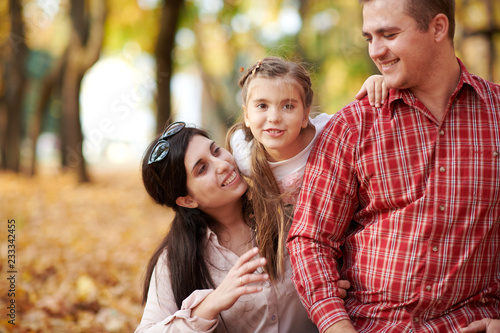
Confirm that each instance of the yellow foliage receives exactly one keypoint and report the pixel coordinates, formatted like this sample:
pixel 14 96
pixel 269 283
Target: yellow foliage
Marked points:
pixel 81 251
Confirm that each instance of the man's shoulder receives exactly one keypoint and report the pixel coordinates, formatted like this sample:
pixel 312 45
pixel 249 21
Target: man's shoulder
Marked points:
pixel 487 89
pixel 356 117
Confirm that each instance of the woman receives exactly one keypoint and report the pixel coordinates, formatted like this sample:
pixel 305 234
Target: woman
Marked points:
pixel 204 276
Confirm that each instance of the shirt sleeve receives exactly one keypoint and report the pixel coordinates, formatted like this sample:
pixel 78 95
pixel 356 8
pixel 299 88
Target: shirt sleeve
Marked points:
pixel 161 313
pixel 323 212
pixel 242 150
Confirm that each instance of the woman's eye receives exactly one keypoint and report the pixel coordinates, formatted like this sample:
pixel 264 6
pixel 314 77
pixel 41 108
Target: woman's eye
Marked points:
pixel 217 151
pixel 202 169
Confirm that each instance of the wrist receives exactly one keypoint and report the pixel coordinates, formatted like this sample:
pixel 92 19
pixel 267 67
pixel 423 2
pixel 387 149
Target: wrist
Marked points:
pixel 343 326
pixel 207 309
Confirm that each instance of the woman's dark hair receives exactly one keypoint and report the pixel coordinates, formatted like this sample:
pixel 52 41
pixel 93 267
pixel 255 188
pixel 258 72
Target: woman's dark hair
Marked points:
pixel 165 181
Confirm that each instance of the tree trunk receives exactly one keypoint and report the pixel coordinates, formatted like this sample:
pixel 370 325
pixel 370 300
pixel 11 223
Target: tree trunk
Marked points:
pixel 15 89
pixel 83 52
pixel 164 61
pixel 50 82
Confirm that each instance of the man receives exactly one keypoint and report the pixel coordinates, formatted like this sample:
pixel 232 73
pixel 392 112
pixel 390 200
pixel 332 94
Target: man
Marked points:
pixel 409 192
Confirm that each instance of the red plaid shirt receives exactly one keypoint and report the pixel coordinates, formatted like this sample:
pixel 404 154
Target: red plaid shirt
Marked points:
pixel 413 204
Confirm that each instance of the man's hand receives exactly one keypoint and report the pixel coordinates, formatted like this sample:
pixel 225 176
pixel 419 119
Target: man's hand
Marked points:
pixel 343 326
pixel 343 286
pixel 484 325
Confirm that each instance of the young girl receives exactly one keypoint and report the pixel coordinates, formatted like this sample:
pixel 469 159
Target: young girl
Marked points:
pixel 273 143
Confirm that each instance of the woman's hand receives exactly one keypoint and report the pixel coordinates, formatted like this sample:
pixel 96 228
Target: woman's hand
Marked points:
pixel 343 285
pixel 484 325
pixel 238 282
pixel 376 89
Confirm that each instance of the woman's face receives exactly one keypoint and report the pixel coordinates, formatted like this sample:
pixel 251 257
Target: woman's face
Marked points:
pixel 213 179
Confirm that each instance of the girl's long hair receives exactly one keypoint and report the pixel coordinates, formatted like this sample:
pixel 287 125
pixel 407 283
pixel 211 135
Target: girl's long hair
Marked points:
pixel 185 241
pixel 272 218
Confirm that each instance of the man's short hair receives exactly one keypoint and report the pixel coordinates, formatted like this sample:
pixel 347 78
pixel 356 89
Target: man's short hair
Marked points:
pixel 423 11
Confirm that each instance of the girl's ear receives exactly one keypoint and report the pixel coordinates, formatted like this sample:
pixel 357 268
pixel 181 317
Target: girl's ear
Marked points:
pixel 186 201
pixel 245 116
pixel 305 121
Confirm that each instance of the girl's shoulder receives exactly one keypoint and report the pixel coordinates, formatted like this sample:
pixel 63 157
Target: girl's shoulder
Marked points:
pixel 320 121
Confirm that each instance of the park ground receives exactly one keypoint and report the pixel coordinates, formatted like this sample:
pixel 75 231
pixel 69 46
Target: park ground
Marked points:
pixel 79 252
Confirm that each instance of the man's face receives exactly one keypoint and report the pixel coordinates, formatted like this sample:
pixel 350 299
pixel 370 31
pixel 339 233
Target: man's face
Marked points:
pixel 401 51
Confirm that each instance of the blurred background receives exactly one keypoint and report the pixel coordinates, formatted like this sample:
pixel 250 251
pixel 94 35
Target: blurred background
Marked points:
pixel 84 87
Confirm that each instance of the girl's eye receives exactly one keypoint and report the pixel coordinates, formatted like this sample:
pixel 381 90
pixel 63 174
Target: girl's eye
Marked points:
pixel 261 106
pixel 217 151
pixel 288 107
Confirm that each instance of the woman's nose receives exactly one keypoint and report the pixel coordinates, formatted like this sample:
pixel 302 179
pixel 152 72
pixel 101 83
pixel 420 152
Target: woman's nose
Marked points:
pixel 222 166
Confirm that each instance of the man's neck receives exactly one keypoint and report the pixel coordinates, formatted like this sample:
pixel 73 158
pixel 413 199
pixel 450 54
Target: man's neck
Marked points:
pixel 436 94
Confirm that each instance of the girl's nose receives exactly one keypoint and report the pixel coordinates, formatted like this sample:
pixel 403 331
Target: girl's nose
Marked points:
pixel 273 115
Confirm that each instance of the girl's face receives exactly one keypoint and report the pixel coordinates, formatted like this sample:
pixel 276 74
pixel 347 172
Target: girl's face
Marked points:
pixel 213 179
pixel 275 113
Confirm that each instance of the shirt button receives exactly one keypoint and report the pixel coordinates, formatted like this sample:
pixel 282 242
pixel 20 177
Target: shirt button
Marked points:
pixel 273 318
pixel 442 169
pixel 428 288
pixel 495 153
pixel 435 248
pixel 441 132
pixel 441 208
pixel 416 320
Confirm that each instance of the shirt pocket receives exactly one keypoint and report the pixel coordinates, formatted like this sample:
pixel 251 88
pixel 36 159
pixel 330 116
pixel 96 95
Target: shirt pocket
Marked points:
pixel 478 174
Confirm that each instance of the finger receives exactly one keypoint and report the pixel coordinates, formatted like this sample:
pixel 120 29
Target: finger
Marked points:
pixel 344 284
pixel 251 266
pixel 245 257
pixel 378 94
pixel 476 326
pixel 362 92
pixel 385 92
pixel 371 89
pixel 253 278
pixel 342 293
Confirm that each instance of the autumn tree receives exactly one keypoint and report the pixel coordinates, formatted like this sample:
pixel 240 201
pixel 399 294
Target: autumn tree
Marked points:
pixel 83 51
pixel 14 72
pixel 165 43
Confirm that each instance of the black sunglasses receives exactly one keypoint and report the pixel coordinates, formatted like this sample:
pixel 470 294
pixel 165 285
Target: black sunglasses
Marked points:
pixel 162 147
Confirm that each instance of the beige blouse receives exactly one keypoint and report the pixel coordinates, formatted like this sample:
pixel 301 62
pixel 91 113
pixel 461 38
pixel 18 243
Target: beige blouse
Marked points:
pixel 275 309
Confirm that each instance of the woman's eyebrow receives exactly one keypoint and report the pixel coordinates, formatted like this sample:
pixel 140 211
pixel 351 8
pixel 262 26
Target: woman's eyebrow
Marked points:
pixel 201 159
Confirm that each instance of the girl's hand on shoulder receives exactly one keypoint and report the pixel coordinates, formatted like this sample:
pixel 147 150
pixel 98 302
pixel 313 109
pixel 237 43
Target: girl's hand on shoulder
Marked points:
pixel 240 281
pixel 376 89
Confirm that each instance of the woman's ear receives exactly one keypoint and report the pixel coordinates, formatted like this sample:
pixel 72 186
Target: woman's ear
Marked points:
pixel 186 201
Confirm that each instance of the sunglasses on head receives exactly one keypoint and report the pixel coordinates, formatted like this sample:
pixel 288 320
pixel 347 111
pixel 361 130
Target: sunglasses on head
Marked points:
pixel 162 147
